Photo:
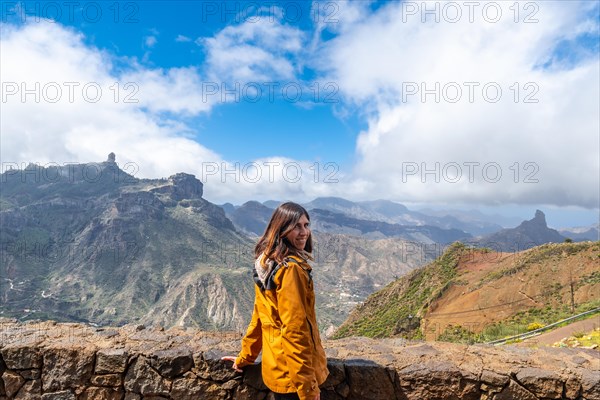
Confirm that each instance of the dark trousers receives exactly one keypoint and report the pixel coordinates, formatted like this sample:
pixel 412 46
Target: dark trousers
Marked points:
pixel 286 396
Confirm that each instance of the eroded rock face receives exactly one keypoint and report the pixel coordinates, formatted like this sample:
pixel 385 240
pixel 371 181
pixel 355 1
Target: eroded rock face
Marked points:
pixel 68 361
pixel 182 186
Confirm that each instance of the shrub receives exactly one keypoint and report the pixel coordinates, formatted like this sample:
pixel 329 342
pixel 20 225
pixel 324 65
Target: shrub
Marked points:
pixel 533 326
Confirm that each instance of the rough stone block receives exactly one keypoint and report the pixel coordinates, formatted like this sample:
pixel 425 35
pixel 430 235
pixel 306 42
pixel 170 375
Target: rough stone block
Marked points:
pixel 66 368
pixel 431 380
pixel 12 382
pixel 513 391
pixel 343 389
pixel 210 366
pixel 229 385
pixel 173 362
pixel 110 380
pixel 490 389
pixel 62 395
pixel 141 378
pixel 31 390
pixel 337 374
pixel 244 392
pixel 590 384
pixel 191 389
pixel 572 388
pixel 21 357
pixel 494 379
pixel 2 369
pixel 253 377
pixel 540 382
pixel 101 393
pixel 31 374
pixel 331 395
pixel 111 361
pixel 361 376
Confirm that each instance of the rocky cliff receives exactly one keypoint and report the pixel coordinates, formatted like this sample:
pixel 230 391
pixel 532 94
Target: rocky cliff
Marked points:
pixel 71 361
pixel 90 242
pixel 528 234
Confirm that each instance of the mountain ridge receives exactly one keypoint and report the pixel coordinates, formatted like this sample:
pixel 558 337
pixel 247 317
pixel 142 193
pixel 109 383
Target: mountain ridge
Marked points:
pixel 528 234
pixel 111 249
pixel 105 248
pixel 473 290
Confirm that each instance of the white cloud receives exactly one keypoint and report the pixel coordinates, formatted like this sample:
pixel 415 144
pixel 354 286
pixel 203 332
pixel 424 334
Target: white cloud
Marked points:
pixel 377 59
pixel 177 90
pixel 182 39
pixel 257 50
pixel 50 60
pixel 150 41
pixel 374 59
pixel 139 114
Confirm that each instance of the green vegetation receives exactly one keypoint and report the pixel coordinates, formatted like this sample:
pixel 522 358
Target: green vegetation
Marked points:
pixel 457 334
pixel 397 309
pixel 521 322
pixel 582 339
pixel 533 326
pixel 590 279
pixel 538 255
pixel 590 340
pixel 95 244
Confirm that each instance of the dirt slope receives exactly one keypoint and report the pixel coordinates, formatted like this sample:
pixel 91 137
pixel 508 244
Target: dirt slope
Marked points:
pixel 492 287
pixel 474 290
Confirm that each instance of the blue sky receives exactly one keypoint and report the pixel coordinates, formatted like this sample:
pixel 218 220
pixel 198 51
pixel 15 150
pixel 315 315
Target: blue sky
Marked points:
pixel 432 104
pixel 166 34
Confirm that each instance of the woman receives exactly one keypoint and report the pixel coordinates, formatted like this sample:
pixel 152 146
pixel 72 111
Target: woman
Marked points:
pixel 284 324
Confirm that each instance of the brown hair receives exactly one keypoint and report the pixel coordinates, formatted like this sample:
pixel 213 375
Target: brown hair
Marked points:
pixel 273 242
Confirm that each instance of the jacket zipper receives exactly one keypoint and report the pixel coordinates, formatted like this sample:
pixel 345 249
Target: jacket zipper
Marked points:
pixel 311 334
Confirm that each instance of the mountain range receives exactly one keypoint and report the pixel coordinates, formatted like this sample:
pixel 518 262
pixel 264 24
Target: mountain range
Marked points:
pixel 252 217
pixel 384 218
pixel 528 234
pixel 88 242
pixel 92 243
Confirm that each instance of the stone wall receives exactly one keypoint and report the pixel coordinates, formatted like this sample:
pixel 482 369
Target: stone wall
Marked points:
pixel 45 360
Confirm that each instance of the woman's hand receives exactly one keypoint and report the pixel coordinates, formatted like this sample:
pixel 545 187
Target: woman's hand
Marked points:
pixel 232 359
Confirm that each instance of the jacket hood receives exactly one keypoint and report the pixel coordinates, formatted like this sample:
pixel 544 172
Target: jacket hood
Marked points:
pixel 263 272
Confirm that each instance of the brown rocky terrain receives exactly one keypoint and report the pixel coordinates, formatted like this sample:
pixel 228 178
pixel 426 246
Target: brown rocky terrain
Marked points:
pixel 492 287
pixel 470 290
pixel 50 361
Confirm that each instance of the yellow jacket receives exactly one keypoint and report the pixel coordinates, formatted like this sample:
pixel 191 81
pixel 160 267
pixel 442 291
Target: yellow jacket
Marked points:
pixel 284 327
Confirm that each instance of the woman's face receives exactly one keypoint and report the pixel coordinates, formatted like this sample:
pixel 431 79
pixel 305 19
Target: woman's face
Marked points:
pixel 299 235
